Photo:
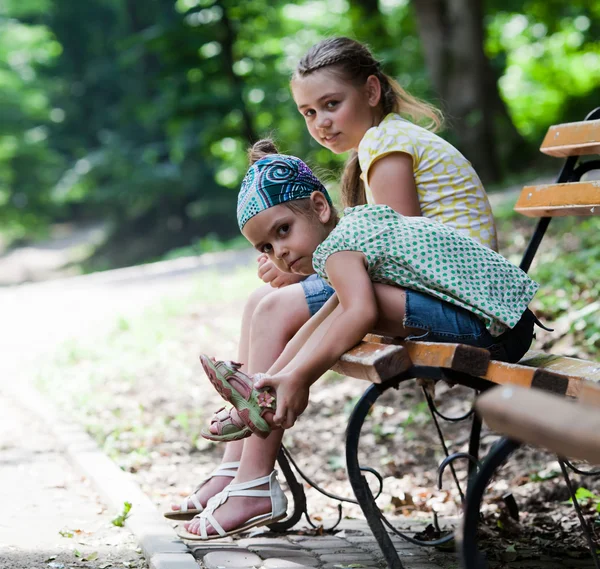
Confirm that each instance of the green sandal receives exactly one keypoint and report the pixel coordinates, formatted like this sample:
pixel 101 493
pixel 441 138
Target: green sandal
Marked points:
pixel 229 427
pixel 237 388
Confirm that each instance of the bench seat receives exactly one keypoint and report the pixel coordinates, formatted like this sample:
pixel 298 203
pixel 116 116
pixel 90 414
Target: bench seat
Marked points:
pixel 378 358
pixel 566 427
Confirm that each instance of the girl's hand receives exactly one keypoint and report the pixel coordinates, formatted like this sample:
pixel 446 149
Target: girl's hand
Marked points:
pixel 292 397
pixel 270 274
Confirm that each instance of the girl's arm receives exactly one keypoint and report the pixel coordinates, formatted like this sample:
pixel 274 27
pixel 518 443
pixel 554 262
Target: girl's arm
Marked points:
pixel 356 316
pixel 341 330
pixel 302 336
pixel 392 182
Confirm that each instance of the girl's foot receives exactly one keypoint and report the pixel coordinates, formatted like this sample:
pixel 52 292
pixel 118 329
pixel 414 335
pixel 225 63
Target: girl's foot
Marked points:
pixel 225 426
pixel 238 508
pixel 237 388
pixel 196 502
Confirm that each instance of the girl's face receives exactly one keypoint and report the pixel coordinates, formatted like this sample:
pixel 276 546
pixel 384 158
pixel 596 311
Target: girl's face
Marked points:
pixel 337 113
pixel 290 238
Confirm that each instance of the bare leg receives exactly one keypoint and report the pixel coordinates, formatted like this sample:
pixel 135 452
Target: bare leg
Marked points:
pixel 273 316
pixel 259 455
pixel 274 322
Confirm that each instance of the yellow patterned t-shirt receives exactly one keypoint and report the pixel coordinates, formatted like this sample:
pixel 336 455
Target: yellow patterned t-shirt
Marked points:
pixel 449 189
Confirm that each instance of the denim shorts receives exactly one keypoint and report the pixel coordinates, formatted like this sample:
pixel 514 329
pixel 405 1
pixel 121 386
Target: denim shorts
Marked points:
pixel 317 292
pixel 445 322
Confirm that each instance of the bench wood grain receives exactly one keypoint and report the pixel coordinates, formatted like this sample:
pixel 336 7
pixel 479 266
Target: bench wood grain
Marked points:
pixel 566 427
pixel 572 139
pixel 379 358
pixel 558 200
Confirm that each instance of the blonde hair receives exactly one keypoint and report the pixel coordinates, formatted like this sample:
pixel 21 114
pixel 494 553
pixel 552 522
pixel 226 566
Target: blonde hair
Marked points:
pixel 355 63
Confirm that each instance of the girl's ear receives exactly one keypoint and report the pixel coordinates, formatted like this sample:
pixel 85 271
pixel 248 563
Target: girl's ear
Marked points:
pixel 373 90
pixel 321 206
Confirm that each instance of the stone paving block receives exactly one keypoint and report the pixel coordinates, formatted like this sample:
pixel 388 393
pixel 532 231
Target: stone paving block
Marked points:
pixel 284 564
pixel 266 551
pixel 345 559
pixel 342 549
pixel 240 559
pixel 360 538
pixel 172 561
pixel 267 541
pixel 199 551
pixel 299 538
pixel 323 543
pixel 306 560
pixel 364 565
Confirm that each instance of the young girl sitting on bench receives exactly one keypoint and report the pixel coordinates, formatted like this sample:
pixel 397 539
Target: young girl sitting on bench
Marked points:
pixel 432 284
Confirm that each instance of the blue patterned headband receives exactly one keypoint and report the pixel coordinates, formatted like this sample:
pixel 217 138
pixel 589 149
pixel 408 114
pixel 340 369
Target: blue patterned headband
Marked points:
pixel 273 180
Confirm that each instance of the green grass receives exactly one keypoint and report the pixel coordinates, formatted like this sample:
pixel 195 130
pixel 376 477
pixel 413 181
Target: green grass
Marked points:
pixel 567 266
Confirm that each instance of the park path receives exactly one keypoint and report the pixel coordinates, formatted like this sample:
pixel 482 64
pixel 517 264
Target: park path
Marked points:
pixel 41 492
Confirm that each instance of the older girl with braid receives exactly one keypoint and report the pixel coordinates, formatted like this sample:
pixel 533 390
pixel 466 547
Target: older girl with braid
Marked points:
pixel 350 104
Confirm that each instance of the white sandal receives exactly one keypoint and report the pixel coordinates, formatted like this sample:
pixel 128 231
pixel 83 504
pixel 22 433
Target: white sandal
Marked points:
pixel 278 508
pixel 184 513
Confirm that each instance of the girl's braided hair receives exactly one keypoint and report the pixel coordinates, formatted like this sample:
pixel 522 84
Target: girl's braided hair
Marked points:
pixel 355 63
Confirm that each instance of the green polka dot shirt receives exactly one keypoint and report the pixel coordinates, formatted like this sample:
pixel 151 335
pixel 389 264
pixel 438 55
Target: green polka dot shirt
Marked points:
pixel 424 255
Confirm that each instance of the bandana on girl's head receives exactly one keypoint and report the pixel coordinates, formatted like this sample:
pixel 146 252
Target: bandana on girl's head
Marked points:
pixel 273 180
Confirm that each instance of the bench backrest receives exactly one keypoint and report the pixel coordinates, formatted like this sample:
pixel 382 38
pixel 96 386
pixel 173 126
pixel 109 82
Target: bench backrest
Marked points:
pixel 568 195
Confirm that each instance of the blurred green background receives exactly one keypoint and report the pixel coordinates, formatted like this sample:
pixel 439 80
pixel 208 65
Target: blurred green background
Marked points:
pixel 138 113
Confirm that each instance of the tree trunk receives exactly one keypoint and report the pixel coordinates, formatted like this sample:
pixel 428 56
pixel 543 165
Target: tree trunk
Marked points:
pixel 237 83
pixel 452 35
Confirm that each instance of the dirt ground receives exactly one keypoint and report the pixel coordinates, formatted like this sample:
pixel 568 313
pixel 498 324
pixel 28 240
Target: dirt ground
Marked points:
pixel 150 424
pixel 147 411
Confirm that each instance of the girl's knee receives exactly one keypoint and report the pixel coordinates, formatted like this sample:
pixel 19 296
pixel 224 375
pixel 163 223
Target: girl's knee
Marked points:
pixel 284 308
pixel 256 298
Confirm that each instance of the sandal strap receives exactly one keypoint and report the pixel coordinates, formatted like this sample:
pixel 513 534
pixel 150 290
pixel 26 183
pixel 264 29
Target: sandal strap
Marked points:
pixel 224 469
pixel 278 501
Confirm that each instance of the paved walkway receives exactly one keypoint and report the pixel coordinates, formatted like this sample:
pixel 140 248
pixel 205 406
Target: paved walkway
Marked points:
pixel 352 547
pixel 51 516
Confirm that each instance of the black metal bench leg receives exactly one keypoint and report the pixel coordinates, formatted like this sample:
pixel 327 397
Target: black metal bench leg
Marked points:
pixel 474 443
pixel 472 558
pixel 359 483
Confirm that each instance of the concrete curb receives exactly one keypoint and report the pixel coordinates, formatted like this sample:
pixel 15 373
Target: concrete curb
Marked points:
pixel 159 542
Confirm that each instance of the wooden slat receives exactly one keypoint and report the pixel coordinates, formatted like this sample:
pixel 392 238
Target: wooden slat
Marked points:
pixel 572 139
pixel 374 358
pixel 560 375
pixel 458 357
pixel 555 200
pixel 572 367
pixel 381 358
pixel 563 426
pixel 374 362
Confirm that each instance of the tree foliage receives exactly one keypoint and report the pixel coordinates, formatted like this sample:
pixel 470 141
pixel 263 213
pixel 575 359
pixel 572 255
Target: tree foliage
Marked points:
pixel 140 112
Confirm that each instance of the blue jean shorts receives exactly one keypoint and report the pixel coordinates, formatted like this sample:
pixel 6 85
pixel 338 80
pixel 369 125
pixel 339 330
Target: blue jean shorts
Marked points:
pixel 317 292
pixel 445 322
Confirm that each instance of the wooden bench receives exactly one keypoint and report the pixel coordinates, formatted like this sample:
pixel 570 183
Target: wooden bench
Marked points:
pixel 385 362
pixel 564 426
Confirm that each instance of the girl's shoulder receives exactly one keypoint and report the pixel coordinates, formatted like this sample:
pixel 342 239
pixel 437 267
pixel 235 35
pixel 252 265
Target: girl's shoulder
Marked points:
pixel 392 134
pixel 393 125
